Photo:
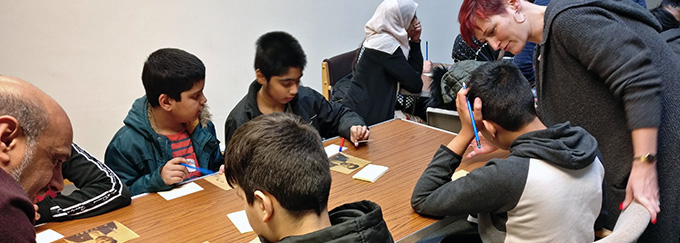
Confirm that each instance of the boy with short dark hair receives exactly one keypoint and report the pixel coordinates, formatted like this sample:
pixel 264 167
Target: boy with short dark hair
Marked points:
pixel 168 126
pixel 549 189
pixel 279 62
pixel 281 146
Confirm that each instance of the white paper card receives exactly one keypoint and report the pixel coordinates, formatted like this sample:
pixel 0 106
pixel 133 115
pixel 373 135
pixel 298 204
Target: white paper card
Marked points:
pixel 240 220
pixel 256 240
pixel 370 173
pixel 458 174
pixel 139 195
pixel 333 149
pixel 182 190
pixel 47 236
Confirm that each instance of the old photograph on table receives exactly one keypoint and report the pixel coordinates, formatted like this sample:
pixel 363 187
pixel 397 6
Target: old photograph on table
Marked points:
pixel 346 164
pixel 112 232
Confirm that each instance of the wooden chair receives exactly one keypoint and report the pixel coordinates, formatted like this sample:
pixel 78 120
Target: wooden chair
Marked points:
pixel 335 68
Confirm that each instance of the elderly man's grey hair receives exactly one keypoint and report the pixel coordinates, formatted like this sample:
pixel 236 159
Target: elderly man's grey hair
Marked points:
pixel 31 116
pixel 32 119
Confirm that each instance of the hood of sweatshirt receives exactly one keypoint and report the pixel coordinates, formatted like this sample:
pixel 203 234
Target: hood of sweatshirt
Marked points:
pixel 352 222
pixel 563 145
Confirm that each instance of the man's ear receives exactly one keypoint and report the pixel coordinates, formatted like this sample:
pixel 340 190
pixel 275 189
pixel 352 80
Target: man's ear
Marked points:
pixel 9 131
pixel 266 205
pixel 260 77
pixel 490 127
pixel 165 102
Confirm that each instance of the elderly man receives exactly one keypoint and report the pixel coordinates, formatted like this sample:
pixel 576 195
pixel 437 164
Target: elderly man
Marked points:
pixel 35 135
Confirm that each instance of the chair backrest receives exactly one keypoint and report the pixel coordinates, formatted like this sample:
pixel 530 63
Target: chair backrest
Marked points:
pixel 630 225
pixel 444 119
pixel 335 68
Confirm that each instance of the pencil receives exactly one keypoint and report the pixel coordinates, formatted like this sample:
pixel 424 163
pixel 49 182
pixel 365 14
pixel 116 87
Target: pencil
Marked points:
pixel 342 142
pixel 472 118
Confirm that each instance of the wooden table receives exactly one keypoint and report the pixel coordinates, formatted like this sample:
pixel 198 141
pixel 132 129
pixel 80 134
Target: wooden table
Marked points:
pixel 405 147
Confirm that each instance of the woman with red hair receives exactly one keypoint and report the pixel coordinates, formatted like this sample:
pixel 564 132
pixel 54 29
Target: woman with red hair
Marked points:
pixel 602 66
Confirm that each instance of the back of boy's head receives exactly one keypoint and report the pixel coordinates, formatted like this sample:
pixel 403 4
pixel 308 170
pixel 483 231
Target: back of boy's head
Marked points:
pixel 170 71
pixel 506 95
pixel 276 52
pixel 280 154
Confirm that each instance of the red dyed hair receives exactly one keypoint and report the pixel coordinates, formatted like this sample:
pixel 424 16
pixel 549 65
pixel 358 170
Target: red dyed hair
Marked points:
pixel 473 9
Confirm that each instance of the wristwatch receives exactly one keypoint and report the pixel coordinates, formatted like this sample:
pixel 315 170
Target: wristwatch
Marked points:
pixel 647 158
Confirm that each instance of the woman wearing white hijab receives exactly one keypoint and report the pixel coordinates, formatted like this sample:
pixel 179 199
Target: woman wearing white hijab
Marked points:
pixel 390 55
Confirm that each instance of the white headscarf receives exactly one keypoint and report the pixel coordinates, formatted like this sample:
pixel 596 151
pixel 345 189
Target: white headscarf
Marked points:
pixel 386 30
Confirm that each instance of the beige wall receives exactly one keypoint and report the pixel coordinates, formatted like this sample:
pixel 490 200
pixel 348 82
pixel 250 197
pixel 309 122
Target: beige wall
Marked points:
pixel 88 54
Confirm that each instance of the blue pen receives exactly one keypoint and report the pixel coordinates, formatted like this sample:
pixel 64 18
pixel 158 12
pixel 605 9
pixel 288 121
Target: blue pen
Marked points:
pixel 472 118
pixel 203 171
pixel 427 48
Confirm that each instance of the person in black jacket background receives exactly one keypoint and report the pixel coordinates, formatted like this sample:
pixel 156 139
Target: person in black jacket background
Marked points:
pixel 99 190
pixel 279 62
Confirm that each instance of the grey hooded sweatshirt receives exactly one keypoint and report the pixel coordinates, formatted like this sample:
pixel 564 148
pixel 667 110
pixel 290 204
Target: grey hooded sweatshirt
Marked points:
pixel 549 189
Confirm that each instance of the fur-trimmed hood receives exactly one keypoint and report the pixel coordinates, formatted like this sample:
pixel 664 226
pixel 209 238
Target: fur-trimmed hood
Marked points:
pixel 141 119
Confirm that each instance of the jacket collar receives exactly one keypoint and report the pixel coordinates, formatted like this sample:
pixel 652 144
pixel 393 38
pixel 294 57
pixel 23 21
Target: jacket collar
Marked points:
pixel 251 108
pixel 140 118
pixel 352 222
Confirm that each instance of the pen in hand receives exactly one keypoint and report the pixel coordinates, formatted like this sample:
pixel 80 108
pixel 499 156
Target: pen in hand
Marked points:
pixel 472 118
pixel 202 170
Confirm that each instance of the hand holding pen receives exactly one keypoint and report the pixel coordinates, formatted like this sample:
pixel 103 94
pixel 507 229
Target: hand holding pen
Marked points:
pixel 173 172
pixel 358 134
pixel 472 118
pixel 466 113
pixel 466 132
pixel 202 170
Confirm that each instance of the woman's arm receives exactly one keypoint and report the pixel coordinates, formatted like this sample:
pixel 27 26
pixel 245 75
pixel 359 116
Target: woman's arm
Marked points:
pixel 622 60
pixel 401 69
pixel 643 184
